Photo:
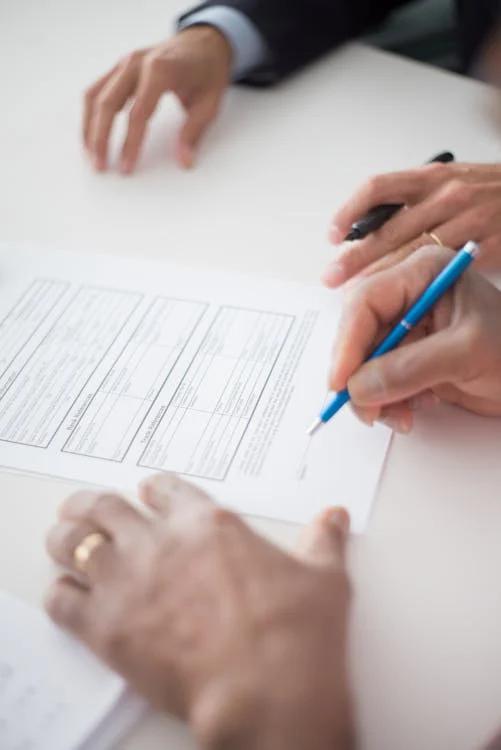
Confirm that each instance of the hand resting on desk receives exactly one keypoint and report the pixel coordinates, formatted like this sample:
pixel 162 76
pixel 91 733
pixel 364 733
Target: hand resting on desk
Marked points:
pixel 195 65
pixel 457 202
pixel 455 355
pixel 208 620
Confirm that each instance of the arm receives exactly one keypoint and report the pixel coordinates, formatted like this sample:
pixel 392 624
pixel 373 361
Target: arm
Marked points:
pixel 297 32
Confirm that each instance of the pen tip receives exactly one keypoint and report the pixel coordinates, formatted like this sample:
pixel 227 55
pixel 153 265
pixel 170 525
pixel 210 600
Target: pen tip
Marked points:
pixel 314 427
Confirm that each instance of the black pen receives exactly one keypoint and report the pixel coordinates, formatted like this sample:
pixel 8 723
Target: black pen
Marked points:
pixel 381 214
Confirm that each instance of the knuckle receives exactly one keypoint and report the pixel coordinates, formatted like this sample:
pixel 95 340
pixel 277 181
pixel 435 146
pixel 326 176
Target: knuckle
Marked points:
pixel 156 63
pixel 61 608
pixel 132 59
pixel 388 234
pixel 380 378
pixel 73 501
pixel 89 94
pixel 113 641
pixel 374 186
pixel 107 504
pixel 456 192
pixel 104 102
pixel 427 253
pixel 360 256
pixel 483 215
pixel 222 518
pixel 355 297
pixel 138 112
pixel 437 170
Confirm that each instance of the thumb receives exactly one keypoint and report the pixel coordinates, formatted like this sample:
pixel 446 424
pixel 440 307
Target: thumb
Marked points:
pixel 407 371
pixel 199 117
pixel 323 541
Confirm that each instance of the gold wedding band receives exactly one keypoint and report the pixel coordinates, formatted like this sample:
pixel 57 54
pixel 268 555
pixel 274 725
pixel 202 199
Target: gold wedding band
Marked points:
pixel 84 551
pixel 436 239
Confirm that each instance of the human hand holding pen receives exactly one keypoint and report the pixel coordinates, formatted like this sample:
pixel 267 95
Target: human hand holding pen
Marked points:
pixel 453 201
pixel 454 355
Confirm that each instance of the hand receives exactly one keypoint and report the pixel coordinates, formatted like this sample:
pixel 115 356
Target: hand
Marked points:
pixel 208 620
pixel 195 65
pixel 455 355
pixel 457 202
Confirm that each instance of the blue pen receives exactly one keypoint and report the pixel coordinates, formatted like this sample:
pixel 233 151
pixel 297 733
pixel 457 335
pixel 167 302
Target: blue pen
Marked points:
pixel 444 281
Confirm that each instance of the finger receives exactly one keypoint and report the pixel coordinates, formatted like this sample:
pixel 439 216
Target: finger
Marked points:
pixel 476 404
pixel 64 538
pixel 479 224
pixel 199 117
pixel 403 373
pixel 368 415
pixel 405 187
pixel 454 199
pixel 110 100
pixel 105 511
pixel 330 275
pixel 398 417
pixel 154 80
pixel 375 303
pixel 69 605
pixel 490 253
pixel 323 541
pixel 166 493
pixel 89 97
pixel 392 259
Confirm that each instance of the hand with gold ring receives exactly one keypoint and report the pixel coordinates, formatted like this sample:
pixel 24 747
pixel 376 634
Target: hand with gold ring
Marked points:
pixel 208 620
pixel 85 548
pixel 452 203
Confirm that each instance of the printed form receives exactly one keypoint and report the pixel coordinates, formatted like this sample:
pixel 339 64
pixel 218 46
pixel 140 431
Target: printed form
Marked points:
pixel 111 369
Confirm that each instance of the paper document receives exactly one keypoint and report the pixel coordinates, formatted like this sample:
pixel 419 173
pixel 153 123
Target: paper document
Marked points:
pixel 54 695
pixel 111 369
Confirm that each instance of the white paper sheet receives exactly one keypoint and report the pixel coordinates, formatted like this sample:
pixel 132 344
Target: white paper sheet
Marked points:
pixel 54 695
pixel 111 369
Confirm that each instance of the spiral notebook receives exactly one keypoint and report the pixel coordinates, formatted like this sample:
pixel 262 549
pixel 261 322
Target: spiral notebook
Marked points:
pixel 54 694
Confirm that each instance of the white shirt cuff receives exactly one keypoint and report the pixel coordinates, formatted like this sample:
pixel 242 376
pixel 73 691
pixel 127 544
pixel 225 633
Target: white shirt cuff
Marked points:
pixel 248 45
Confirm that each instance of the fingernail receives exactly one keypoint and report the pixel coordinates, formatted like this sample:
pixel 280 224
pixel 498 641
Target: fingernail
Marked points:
pixel 335 234
pixel 334 275
pixel 126 166
pixel 341 518
pixel 186 156
pixel 99 163
pixel 366 419
pixel 367 385
pixel 402 425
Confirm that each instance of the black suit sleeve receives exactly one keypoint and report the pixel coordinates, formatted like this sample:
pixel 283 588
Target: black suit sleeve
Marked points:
pixel 297 31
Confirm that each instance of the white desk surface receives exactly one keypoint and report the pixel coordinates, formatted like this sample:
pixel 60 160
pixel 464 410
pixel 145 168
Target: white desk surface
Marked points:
pixel 426 645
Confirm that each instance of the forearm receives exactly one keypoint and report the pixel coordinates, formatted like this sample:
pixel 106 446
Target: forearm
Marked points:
pixel 284 715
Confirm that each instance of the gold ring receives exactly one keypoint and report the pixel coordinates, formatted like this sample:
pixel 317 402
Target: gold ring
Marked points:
pixel 86 548
pixel 436 239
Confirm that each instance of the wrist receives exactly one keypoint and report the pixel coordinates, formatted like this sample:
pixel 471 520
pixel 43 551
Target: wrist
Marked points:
pixel 212 41
pixel 249 720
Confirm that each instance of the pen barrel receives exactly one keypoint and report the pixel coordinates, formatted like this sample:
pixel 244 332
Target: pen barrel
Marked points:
pixel 391 341
pixel 339 400
pixel 441 285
